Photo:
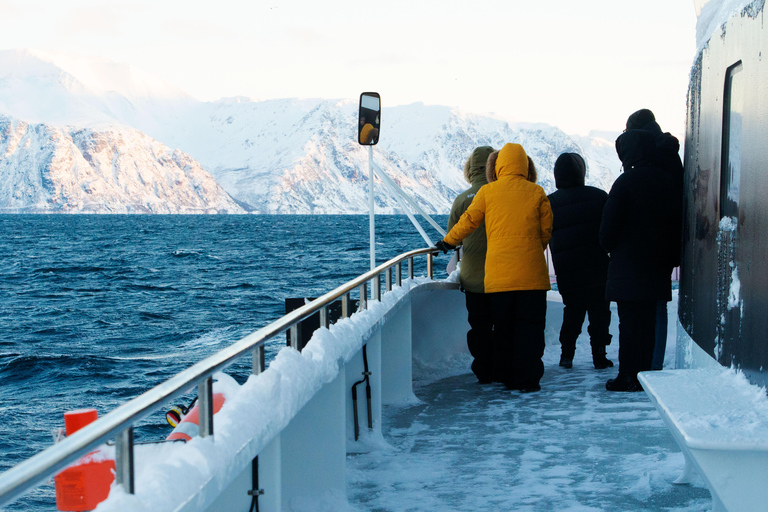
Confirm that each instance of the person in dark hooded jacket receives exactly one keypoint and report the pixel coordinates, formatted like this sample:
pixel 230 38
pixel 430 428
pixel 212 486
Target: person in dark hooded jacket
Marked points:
pixel 479 336
pixel 668 158
pixel 580 262
pixel 640 231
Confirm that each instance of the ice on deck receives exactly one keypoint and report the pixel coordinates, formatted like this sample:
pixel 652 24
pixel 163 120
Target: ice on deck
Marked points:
pixel 571 447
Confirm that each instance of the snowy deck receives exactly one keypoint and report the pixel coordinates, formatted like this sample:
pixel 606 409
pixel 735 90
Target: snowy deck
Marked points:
pixel 571 447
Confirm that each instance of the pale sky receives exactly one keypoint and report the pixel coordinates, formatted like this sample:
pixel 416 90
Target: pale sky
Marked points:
pixel 578 65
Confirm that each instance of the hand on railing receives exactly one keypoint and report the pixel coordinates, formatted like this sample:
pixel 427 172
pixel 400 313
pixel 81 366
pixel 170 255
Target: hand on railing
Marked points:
pixel 444 246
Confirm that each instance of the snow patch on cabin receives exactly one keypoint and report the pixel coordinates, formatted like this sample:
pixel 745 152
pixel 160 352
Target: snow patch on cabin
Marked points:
pixel 716 13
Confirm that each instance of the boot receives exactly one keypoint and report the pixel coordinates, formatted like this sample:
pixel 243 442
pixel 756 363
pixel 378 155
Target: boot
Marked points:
pixel 598 358
pixel 623 382
pixel 565 362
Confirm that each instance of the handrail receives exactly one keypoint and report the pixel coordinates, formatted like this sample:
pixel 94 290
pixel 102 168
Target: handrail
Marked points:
pixel 119 423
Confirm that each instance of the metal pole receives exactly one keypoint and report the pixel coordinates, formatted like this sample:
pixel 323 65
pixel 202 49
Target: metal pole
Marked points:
pixel 294 335
pixel 124 460
pixel 399 273
pixel 410 267
pixel 388 277
pixel 324 317
pixel 371 224
pixel 205 404
pixel 363 297
pixel 258 360
pixel 429 265
pixel 345 306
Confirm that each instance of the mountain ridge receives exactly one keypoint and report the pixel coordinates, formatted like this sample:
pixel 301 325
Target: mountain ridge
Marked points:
pixel 275 156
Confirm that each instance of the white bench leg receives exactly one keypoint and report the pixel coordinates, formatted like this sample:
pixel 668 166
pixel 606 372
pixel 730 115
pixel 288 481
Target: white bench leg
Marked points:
pixel 688 470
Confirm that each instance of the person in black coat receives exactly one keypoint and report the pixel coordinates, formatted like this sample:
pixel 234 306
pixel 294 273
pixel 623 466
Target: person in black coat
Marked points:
pixel 640 230
pixel 581 264
pixel 668 158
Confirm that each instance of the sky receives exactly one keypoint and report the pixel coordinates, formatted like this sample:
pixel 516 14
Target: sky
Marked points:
pixel 580 66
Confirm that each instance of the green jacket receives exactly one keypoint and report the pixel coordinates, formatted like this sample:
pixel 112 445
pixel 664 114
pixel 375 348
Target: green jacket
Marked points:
pixel 473 255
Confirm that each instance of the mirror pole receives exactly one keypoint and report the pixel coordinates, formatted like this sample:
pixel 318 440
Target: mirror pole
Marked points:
pixel 371 224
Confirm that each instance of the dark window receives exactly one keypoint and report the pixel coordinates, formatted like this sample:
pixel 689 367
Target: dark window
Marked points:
pixel 730 166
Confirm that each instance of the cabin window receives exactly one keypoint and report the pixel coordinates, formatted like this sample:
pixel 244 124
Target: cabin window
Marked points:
pixel 730 166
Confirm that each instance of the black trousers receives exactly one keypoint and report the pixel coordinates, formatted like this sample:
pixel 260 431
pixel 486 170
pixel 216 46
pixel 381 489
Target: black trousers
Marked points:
pixel 637 336
pixel 576 307
pixel 519 319
pixel 480 334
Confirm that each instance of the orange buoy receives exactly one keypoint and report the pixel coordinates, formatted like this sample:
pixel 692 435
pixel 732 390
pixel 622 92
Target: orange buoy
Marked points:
pixel 85 484
pixel 189 426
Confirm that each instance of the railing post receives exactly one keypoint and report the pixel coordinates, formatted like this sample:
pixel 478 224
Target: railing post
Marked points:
pixel 410 267
pixel 258 360
pixel 324 322
pixel 294 335
pixel 388 277
pixel 363 297
pixel 429 265
pixel 124 460
pixel 399 273
pixel 345 309
pixel 205 406
pixel 376 291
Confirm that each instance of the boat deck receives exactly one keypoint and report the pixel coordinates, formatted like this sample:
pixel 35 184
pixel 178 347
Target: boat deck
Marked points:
pixel 571 447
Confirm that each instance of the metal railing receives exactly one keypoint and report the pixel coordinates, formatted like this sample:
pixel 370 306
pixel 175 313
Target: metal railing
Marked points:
pixel 118 424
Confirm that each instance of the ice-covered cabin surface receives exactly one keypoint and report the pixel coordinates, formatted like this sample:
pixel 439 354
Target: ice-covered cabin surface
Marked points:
pixel 453 445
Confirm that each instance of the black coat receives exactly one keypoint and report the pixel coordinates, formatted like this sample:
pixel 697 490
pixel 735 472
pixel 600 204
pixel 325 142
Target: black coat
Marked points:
pixel 579 260
pixel 641 223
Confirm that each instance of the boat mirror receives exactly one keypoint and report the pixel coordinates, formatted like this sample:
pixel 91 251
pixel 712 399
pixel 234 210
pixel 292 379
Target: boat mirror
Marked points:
pixel 370 119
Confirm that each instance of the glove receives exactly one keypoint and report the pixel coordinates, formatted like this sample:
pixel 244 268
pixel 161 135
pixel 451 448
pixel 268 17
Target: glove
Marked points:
pixel 444 246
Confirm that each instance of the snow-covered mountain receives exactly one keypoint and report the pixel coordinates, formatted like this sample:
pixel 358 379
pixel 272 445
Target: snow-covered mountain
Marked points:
pixel 116 170
pixel 277 156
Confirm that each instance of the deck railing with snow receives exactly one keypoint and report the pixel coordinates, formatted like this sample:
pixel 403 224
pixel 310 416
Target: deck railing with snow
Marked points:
pixel 118 424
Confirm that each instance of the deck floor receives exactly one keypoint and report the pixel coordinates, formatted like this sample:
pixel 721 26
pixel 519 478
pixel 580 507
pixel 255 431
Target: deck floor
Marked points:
pixel 571 447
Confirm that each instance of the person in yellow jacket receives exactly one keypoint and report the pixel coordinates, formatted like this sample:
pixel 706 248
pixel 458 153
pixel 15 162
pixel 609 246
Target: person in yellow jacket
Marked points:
pixel 518 225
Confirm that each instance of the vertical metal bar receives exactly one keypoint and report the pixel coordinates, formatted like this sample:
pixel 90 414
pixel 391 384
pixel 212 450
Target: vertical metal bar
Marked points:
pixel 363 297
pixel 371 215
pixel 124 460
pixel 258 360
pixel 345 309
pixel 388 277
pixel 205 405
pixel 324 321
pixel 429 265
pixel 294 335
pixel 399 273
pixel 376 291
pixel 410 267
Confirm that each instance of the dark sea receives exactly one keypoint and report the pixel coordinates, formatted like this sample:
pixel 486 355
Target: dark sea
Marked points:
pixel 97 309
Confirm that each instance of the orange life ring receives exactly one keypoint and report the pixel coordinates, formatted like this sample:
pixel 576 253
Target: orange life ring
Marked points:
pixel 189 426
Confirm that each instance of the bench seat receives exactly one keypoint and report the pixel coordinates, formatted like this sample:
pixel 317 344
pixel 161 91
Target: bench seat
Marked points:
pixel 720 422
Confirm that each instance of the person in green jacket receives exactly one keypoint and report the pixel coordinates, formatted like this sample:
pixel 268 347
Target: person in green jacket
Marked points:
pixel 479 337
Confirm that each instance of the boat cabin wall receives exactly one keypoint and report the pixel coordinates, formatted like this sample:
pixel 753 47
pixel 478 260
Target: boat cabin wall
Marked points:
pixel 724 274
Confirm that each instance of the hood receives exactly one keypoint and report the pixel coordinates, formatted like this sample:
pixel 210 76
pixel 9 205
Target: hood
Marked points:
pixel 638 120
pixel 570 171
pixel 512 161
pixel 474 169
pixel 666 142
pixel 636 148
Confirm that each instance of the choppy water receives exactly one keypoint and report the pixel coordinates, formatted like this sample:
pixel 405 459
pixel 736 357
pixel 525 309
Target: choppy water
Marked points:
pixel 95 310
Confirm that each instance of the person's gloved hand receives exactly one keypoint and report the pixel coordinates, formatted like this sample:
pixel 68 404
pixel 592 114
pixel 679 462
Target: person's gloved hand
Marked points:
pixel 444 246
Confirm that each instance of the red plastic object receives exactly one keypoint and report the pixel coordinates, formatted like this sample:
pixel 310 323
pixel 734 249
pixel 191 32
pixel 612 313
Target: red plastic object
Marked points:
pixel 86 484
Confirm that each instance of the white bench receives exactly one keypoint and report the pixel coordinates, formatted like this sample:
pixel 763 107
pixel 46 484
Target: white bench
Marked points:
pixel 720 422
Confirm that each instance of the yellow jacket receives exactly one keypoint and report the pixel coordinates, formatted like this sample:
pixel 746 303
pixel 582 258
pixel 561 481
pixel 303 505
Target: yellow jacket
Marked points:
pixel 518 223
